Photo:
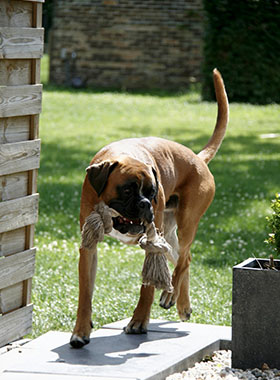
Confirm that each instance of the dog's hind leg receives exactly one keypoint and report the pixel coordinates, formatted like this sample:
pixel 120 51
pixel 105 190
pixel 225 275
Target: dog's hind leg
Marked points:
pixel 87 273
pixel 180 277
pixel 183 300
pixel 170 234
pixel 191 207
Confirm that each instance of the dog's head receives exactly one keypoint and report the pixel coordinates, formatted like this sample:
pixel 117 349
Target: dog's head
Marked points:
pixel 129 187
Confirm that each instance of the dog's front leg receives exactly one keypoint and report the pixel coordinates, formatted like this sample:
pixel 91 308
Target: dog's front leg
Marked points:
pixel 141 316
pixel 87 273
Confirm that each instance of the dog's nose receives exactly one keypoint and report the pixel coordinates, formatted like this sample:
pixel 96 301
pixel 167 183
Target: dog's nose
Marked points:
pixel 146 210
pixel 144 204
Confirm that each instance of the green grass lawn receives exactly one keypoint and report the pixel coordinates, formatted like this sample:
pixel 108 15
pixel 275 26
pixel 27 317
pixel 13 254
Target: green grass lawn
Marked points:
pixel 76 124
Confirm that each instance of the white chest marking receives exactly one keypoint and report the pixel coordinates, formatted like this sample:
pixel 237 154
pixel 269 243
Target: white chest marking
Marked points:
pixel 124 238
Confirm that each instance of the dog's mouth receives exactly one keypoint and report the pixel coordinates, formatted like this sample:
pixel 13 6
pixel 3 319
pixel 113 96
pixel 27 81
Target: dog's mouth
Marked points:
pixel 123 220
pixel 125 225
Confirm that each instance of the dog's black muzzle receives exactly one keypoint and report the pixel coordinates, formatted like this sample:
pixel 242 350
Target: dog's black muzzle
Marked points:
pixel 146 210
pixel 133 214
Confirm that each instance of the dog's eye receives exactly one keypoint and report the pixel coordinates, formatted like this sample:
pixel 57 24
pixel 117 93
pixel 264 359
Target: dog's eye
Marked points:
pixel 150 193
pixel 127 191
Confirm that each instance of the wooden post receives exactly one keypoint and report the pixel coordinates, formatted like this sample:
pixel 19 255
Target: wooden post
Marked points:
pixel 21 48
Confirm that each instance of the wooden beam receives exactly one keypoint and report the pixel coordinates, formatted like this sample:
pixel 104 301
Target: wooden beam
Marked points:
pixel 14 129
pixel 15 325
pixel 34 127
pixel 15 13
pixel 37 15
pixel 12 242
pixel 17 268
pixel 11 298
pixel 36 1
pixel 26 292
pixel 18 213
pixel 21 43
pixel 19 157
pixel 14 186
pixel 15 72
pixel 35 71
pixel 20 100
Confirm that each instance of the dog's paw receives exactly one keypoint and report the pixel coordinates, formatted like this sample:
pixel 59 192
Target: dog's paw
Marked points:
pixel 78 341
pixel 136 327
pixel 184 313
pixel 167 299
pixel 80 336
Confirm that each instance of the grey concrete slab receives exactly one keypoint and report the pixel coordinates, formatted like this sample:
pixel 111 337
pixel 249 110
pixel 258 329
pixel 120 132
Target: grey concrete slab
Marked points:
pixel 168 347
pixel 220 332
pixel 41 376
pixel 158 325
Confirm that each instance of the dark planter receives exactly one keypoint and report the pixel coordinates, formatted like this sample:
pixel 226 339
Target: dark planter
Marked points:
pixel 256 315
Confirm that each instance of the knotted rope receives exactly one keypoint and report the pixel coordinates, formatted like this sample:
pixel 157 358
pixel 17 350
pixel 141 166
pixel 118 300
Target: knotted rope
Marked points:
pixel 155 270
pixel 97 224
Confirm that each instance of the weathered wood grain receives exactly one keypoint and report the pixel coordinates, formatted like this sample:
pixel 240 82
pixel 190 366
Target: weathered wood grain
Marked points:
pixel 26 293
pixel 15 325
pixel 18 213
pixel 11 298
pixel 14 186
pixel 19 157
pixel 15 72
pixel 15 13
pixel 21 47
pixel 35 71
pixel 21 42
pixel 20 100
pixel 12 241
pixel 34 127
pixel 15 129
pixel 32 182
pixel 17 268
pixel 37 15
pixel 35 1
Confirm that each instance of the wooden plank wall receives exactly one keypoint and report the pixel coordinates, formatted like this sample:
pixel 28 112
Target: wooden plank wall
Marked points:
pixel 21 48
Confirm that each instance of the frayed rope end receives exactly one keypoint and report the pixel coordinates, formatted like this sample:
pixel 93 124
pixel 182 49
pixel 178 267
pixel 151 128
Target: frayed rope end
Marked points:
pixel 155 270
pixel 98 223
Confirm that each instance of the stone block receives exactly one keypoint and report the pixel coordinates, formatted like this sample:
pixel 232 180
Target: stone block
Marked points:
pixel 255 315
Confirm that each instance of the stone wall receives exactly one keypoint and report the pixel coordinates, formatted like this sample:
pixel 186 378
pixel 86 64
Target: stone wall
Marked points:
pixel 129 44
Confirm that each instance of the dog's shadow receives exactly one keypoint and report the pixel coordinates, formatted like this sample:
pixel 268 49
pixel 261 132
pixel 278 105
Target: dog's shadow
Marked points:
pixel 114 347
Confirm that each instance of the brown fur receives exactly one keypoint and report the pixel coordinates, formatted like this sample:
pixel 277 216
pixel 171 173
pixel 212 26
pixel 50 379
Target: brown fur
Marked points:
pixel 182 176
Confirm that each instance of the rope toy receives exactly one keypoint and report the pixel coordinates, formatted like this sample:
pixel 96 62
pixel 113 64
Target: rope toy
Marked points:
pixel 155 270
pixel 97 224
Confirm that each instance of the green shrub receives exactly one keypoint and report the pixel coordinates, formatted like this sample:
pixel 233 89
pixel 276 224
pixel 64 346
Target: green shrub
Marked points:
pixel 274 224
pixel 242 39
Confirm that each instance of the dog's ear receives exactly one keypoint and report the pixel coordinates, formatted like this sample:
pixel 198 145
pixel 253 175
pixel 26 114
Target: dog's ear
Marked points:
pixel 156 178
pixel 98 175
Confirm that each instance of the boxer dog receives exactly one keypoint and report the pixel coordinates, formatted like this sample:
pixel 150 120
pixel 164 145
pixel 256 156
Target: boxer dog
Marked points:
pixel 149 179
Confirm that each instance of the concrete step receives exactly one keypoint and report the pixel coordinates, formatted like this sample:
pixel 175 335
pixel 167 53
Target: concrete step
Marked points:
pixel 168 347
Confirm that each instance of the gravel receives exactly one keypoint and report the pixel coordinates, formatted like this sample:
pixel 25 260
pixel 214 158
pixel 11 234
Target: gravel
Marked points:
pixel 218 366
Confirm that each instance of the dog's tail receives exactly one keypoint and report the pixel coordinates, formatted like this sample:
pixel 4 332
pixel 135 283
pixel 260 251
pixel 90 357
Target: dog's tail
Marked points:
pixel 211 148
